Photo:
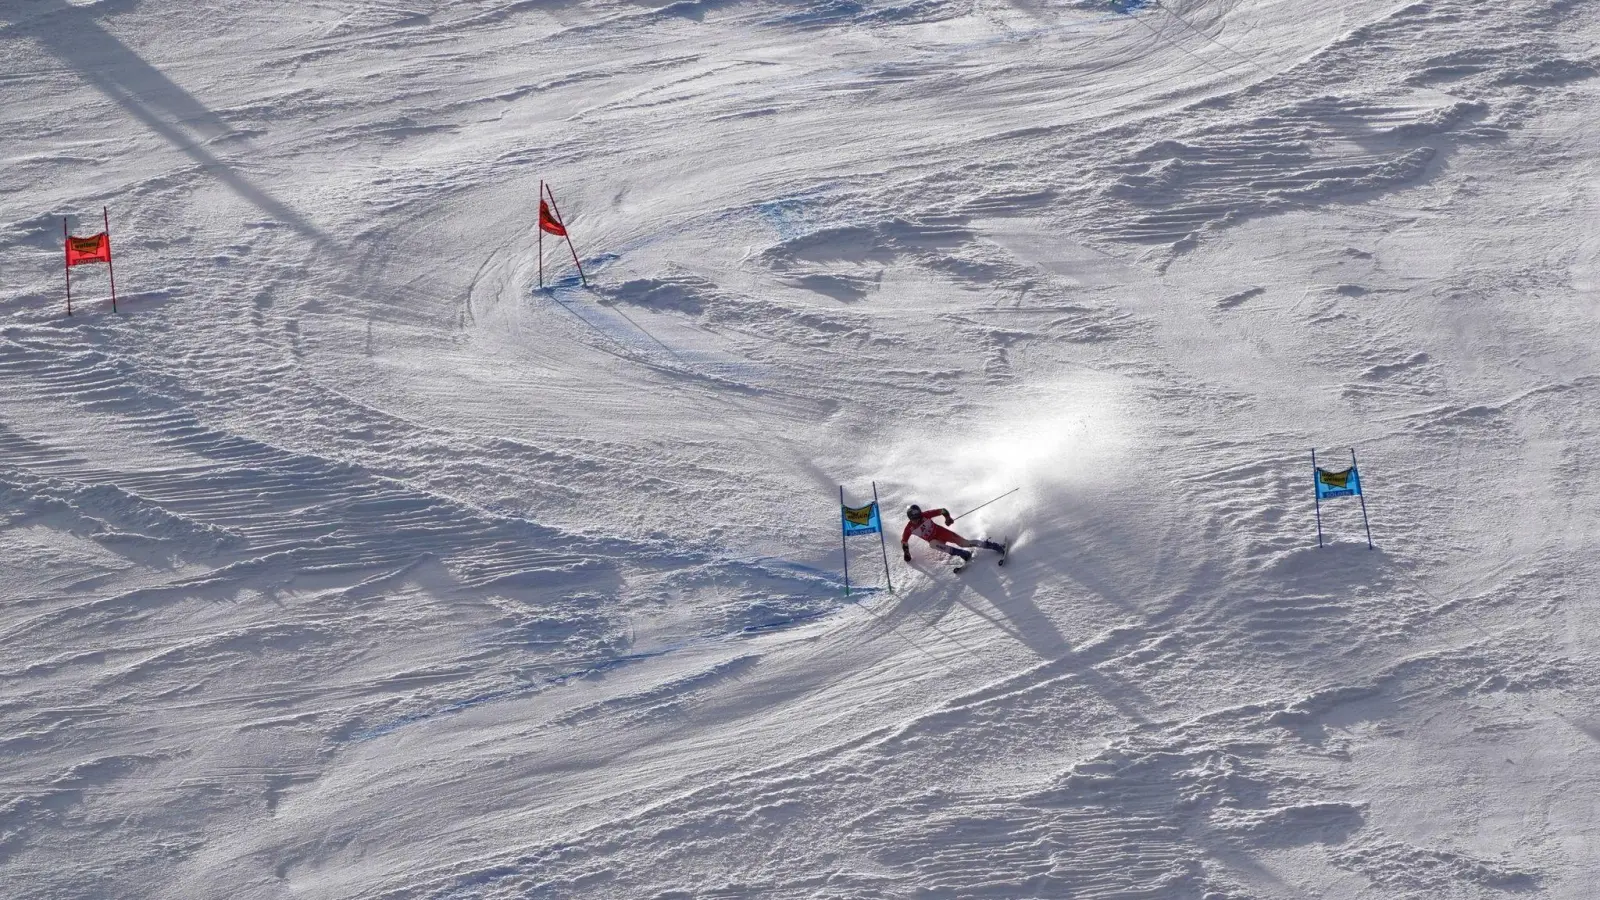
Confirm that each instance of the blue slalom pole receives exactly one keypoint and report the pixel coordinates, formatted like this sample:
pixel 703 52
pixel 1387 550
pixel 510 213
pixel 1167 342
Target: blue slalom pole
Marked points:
pixel 877 510
pixel 844 548
pixel 1316 492
pixel 1362 496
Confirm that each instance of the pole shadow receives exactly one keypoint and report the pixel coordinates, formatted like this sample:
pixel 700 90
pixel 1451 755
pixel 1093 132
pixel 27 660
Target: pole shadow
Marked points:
pixel 1009 592
pixel 1015 615
pixel 76 37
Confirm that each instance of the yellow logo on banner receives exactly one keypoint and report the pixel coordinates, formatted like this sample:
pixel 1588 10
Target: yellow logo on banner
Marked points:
pixel 861 515
pixel 86 245
pixel 1334 479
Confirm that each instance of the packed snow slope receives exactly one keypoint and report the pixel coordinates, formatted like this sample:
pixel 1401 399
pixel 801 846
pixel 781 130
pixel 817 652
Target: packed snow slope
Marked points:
pixel 345 562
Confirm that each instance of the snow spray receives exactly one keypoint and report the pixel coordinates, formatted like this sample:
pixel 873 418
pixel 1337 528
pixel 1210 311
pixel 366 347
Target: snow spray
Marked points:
pixel 1053 444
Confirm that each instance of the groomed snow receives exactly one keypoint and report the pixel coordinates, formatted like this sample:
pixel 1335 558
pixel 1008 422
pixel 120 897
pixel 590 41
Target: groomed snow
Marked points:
pixel 343 562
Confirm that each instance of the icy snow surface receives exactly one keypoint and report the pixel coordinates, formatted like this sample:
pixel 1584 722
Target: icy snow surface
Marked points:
pixel 344 562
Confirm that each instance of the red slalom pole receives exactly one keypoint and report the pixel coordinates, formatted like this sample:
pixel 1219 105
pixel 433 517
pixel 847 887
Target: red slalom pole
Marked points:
pixel 106 215
pixel 66 238
pixel 562 219
pixel 540 228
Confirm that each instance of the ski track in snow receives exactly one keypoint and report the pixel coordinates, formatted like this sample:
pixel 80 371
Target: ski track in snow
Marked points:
pixel 348 561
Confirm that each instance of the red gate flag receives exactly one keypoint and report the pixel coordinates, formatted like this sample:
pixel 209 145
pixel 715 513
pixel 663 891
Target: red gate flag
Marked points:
pixel 96 248
pixel 91 249
pixel 551 222
pixel 548 221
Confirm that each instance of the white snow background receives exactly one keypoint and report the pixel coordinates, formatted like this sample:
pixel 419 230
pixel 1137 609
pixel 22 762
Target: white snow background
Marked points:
pixel 343 562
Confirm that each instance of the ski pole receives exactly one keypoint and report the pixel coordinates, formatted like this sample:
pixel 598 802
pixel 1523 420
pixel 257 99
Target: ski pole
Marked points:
pixel 982 505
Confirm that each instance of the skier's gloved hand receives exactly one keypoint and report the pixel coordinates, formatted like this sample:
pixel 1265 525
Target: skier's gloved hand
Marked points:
pixel 907 554
pixel 947 519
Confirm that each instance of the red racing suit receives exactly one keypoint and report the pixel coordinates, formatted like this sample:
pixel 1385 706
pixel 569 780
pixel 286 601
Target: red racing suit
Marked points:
pixel 931 531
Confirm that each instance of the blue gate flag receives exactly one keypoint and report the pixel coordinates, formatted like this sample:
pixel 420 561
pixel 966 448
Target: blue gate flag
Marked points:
pixel 1341 483
pixel 861 519
pixel 1338 484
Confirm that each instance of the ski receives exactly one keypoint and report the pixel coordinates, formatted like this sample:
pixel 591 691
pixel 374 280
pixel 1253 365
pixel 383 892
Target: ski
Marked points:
pixel 1004 551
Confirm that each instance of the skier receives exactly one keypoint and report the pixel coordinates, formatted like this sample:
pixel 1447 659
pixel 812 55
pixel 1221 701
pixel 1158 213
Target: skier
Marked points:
pixel 944 540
